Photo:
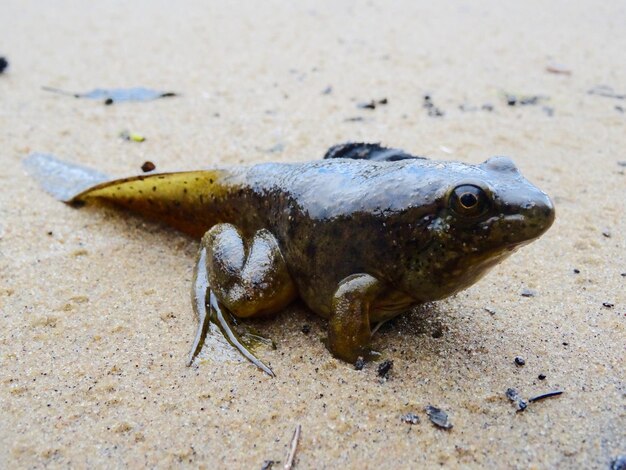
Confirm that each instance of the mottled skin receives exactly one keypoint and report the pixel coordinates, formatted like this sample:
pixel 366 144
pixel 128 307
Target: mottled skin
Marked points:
pixel 360 236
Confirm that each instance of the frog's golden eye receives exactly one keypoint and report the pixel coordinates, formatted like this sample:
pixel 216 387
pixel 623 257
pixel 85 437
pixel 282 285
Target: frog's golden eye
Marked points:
pixel 468 200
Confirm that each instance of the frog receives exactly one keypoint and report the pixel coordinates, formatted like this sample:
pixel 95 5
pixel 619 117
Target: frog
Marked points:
pixel 360 236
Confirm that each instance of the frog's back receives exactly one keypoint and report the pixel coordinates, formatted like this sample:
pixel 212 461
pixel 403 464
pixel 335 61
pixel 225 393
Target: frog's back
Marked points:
pixel 333 188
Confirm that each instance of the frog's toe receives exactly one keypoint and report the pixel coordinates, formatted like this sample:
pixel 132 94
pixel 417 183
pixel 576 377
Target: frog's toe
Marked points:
pixel 252 339
pixel 223 320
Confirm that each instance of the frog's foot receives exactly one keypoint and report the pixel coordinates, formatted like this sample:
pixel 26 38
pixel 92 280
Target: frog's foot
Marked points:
pixel 367 151
pixel 207 308
pixel 245 279
pixel 349 327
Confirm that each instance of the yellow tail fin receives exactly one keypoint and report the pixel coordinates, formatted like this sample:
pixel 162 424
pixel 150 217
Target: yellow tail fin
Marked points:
pixel 188 201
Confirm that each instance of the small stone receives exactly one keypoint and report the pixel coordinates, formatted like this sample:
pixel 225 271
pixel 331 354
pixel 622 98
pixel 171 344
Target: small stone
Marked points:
pixel 541 376
pixel 410 418
pixel 576 271
pixel 519 360
pixel 359 364
pixel 148 166
pixel 608 304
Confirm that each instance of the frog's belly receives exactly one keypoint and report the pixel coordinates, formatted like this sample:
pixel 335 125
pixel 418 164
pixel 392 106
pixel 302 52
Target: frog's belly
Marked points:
pixel 390 305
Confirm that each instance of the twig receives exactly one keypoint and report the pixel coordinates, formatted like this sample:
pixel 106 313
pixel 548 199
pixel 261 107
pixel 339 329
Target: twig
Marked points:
pixel 545 395
pixel 294 446
pixel 60 92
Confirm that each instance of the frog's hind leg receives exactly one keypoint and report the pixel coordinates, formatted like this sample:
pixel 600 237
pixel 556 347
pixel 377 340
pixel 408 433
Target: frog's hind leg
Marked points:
pixel 208 310
pixel 247 280
pixel 367 151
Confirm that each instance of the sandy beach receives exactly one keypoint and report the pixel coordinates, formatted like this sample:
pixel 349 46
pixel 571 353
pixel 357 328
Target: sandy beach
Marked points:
pixel 95 311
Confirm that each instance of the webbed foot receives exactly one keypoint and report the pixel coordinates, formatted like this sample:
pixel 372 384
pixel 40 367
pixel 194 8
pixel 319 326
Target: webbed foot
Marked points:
pixel 208 309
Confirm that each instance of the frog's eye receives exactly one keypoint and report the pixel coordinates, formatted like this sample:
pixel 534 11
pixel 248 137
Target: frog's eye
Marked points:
pixel 468 200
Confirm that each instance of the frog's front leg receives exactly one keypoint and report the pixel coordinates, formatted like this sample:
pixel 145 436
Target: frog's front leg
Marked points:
pixel 245 279
pixel 349 327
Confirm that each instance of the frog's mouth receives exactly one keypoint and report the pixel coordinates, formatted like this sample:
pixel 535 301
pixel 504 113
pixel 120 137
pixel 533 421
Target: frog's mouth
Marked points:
pixel 514 230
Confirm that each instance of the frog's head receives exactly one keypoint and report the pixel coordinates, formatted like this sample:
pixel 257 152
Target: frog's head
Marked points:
pixel 483 216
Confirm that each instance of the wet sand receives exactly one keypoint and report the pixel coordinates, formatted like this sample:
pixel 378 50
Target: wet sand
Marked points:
pixel 94 304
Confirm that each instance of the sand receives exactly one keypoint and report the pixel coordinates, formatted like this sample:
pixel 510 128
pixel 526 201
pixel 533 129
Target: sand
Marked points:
pixel 94 304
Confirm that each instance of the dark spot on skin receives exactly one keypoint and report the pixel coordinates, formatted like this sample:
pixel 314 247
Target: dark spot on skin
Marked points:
pixel 185 190
pixel 153 188
pixel 311 250
pixel 210 180
pixel 148 166
pixel 519 361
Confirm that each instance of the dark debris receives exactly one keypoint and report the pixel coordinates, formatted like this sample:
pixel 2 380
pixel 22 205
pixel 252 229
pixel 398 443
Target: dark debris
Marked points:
pixel 410 418
pixel 518 401
pixel 384 368
pixel 438 417
pixel 608 304
pixel 541 376
pixel 267 465
pixel 528 293
pixel 433 111
pixel 519 361
pixel 606 91
pixel 3 64
pixel 359 363
pixel 558 69
pixel 530 100
pixel 543 396
pixel 619 463
pixel 373 104
pixel 306 329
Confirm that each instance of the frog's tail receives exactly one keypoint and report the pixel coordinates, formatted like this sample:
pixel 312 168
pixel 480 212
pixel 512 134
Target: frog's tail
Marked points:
pixel 188 201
